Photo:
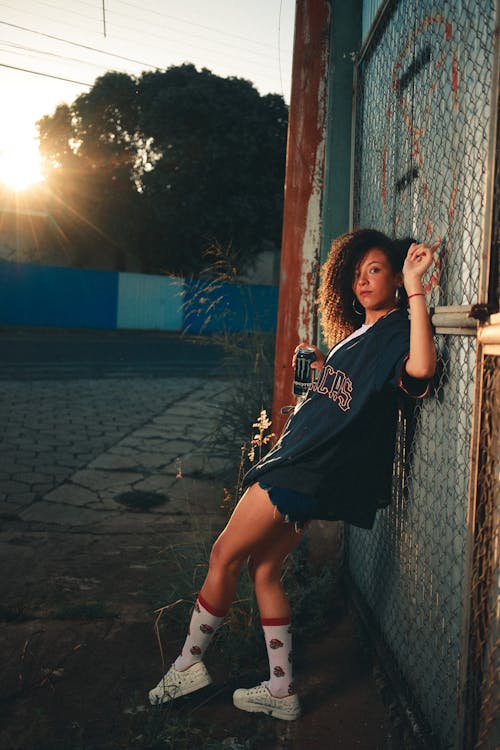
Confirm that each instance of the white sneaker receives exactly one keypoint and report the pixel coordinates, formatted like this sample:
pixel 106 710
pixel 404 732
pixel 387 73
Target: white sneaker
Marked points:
pixel 174 684
pixel 259 699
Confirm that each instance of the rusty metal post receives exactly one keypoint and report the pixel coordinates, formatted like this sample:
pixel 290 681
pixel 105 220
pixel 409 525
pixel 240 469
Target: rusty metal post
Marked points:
pixel 305 164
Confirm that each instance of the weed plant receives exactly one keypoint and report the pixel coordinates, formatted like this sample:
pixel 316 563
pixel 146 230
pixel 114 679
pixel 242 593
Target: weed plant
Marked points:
pixel 248 360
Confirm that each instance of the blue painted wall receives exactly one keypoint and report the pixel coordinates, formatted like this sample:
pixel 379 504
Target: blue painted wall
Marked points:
pixel 37 295
pixel 211 307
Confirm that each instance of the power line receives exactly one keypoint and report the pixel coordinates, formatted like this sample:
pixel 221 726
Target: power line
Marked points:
pixel 252 62
pixel 111 13
pixel 52 21
pixel 189 22
pixel 142 9
pixel 46 75
pixel 215 55
pixel 255 54
pixel 193 23
pixel 164 38
pixel 45 53
pixel 174 36
pixel 253 57
pixel 77 44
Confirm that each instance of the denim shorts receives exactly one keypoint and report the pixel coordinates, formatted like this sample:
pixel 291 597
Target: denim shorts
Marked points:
pixel 295 507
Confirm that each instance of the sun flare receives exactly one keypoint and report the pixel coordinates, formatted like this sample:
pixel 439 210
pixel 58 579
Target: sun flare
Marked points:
pixel 20 165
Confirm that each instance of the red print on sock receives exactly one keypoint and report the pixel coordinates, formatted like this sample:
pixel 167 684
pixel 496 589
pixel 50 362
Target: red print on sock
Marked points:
pixel 206 628
pixel 195 650
pixel 278 672
pixel 275 643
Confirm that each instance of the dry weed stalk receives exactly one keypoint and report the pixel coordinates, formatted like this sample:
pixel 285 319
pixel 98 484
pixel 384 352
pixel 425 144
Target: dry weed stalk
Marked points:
pixel 260 439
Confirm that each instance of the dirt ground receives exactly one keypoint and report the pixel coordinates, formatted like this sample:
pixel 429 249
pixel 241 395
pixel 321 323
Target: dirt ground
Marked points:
pixel 79 654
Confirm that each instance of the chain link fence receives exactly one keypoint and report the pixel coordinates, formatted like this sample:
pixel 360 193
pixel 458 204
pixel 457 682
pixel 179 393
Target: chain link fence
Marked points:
pixel 421 162
pixel 483 688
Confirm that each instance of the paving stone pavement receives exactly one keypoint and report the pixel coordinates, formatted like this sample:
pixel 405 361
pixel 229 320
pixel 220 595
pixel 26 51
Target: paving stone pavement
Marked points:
pixel 72 453
pixel 82 454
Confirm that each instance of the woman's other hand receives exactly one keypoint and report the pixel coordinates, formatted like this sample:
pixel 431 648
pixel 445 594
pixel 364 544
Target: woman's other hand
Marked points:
pixel 419 258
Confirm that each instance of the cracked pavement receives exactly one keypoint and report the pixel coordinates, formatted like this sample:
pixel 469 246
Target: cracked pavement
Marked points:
pixel 74 451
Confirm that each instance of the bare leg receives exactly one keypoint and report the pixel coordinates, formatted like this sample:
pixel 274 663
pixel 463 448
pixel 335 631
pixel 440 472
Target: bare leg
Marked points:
pixel 265 567
pixel 254 526
pixel 255 532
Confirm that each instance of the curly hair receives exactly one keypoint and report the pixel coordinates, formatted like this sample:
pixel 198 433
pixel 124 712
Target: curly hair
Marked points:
pixel 335 294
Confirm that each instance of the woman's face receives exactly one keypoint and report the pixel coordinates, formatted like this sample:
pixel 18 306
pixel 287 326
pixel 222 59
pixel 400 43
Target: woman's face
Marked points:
pixel 375 284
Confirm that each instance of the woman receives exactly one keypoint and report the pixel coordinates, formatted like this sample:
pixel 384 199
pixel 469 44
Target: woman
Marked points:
pixel 333 459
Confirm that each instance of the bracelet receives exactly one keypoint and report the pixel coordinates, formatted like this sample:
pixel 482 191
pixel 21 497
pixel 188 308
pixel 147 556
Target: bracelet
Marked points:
pixel 417 294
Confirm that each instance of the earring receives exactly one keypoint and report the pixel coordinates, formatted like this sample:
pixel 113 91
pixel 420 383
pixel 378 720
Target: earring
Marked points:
pixel 355 308
pixel 397 295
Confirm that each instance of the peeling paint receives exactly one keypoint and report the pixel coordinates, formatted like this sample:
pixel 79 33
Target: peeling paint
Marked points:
pixel 310 258
pixel 297 320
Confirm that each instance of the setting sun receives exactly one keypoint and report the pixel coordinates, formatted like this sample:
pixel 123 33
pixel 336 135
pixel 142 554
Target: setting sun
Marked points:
pixel 20 164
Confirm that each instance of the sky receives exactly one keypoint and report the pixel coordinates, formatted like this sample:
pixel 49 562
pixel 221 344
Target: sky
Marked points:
pixel 44 41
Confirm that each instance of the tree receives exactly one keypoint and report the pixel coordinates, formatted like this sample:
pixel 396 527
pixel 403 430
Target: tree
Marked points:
pixel 89 150
pixel 164 166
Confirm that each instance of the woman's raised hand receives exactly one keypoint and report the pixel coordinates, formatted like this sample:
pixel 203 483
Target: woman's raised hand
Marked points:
pixel 320 357
pixel 419 258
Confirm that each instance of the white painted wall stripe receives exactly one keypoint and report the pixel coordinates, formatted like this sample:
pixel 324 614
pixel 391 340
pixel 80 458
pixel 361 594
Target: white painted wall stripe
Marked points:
pixel 150 302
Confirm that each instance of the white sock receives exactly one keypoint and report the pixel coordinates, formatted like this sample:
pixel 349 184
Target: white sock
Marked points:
pixel 278 635
pixel 205 620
